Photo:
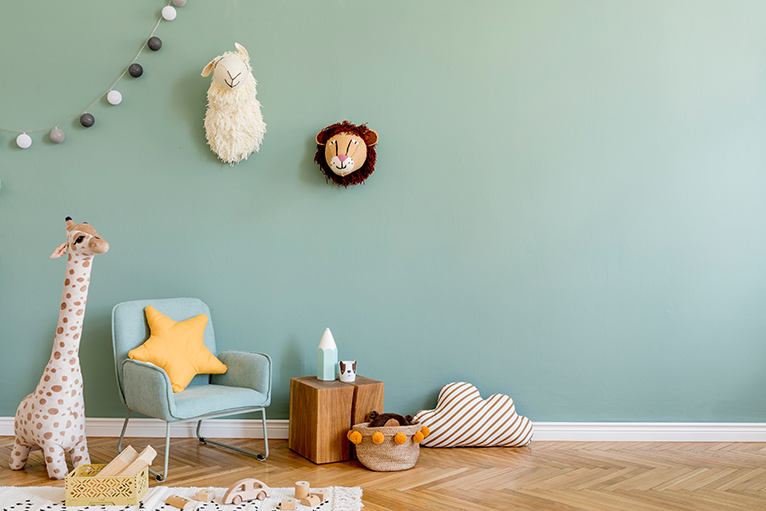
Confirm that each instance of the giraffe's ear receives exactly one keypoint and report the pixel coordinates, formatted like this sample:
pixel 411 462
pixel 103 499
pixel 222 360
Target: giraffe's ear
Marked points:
pixel 60 251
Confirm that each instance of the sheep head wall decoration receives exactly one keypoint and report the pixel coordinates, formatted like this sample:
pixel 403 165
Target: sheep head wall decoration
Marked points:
pixel 234 125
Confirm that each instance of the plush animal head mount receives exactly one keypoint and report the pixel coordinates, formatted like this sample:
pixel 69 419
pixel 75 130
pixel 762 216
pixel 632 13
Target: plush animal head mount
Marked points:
pixel 82 240
pixel 234 126
pixel 346 152
pixel 231 69
pixel 388 419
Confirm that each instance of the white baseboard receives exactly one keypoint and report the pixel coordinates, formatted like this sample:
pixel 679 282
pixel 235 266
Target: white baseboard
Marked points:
pixel 650 431
pixel 543 431
pixel 154 428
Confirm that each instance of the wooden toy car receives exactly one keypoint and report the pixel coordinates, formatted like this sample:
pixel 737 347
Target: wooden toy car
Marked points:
pixel 246 489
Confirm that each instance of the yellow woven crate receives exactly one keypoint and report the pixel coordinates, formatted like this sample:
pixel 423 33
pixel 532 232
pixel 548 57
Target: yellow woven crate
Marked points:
pixel 82 489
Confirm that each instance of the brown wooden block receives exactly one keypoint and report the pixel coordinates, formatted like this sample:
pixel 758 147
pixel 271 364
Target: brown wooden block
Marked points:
pixel 288 503
pixel 320 417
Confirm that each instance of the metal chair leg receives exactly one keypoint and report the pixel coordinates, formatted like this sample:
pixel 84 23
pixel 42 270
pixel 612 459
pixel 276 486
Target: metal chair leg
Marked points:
pixel 164 475
pixel 259 457
pixel 122 433
pixel 265 436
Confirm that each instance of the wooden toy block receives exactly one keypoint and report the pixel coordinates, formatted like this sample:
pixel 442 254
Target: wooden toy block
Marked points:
pixel 323 494
pixel 180 502
pixel 119 463
pixel 205 495
pixel 302 489
pixel 311 500
pixel 141 462
pixel 287 504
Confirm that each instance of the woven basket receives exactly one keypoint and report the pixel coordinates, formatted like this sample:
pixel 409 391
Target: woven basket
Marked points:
pixel 83 489
pixel 387 456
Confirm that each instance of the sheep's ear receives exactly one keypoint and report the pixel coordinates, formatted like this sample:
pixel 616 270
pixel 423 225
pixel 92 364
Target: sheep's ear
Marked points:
pixel 242 51
pixel 209 68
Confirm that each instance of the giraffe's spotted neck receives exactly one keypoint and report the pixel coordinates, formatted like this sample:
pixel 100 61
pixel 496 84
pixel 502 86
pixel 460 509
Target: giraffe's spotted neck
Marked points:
pixel 73 300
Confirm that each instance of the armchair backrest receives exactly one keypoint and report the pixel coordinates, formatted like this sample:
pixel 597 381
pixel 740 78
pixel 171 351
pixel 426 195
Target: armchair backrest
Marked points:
pixel 130 329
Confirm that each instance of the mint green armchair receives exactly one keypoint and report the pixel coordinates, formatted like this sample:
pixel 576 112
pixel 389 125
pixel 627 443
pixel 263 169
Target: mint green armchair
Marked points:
pixel 145 388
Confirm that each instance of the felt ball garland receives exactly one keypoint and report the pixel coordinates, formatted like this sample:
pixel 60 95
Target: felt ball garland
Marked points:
pixel 113 96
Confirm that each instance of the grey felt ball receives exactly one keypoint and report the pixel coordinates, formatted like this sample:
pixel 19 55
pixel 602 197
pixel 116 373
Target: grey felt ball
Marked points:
pixel 179 3
pixel 135 70
pixel 57 135
pixel 87 120
pixel 154 43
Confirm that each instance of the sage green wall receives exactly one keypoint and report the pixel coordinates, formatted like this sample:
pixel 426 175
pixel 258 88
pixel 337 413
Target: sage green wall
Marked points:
pixel 568 205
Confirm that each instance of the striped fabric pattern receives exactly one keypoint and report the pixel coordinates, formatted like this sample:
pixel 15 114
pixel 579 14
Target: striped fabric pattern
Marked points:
pixel 463 419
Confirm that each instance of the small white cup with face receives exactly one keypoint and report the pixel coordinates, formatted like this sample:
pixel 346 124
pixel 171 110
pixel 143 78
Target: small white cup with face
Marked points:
pixel 347 371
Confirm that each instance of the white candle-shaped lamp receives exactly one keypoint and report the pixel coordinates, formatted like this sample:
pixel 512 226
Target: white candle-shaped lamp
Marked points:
pixel 327 357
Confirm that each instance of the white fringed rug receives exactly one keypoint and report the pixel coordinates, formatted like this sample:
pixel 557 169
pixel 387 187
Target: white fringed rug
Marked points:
pixel 48 498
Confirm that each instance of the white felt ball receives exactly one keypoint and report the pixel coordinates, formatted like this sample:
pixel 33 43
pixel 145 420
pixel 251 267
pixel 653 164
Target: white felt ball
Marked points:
pixel 114 97
pixel 24 141
pixel 57 135
pixel 179 3
pixel 169 12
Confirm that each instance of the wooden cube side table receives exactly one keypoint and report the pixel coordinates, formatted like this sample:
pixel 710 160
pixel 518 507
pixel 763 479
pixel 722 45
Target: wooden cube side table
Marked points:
pixel 322 412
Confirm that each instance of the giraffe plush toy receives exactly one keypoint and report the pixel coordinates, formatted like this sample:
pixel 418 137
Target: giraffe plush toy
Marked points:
pixel 53 416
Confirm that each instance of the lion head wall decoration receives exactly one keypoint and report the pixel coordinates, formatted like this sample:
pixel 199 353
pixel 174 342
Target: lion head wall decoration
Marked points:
pixel 346 152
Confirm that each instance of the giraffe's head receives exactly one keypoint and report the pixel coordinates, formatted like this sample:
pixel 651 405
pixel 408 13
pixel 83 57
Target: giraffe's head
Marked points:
pixel 82 240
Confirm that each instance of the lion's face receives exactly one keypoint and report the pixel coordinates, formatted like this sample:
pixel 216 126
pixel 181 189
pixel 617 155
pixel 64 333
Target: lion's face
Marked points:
pixel 344 153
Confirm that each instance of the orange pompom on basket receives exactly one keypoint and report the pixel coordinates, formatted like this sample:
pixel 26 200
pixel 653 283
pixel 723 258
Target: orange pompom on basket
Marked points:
pixel 387 448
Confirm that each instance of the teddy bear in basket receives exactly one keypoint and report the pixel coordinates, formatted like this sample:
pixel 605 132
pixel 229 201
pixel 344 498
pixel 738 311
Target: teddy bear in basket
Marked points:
pixel 388 442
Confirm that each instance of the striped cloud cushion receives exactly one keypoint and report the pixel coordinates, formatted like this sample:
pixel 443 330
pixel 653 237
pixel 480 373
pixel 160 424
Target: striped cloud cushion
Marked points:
pixel 463 419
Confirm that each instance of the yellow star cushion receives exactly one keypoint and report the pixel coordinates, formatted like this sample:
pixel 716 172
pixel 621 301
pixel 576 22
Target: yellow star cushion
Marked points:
pixel 178 348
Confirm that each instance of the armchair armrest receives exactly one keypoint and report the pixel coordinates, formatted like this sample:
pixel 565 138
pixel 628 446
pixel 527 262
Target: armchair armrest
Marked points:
pixel 245 369
pixel 147 389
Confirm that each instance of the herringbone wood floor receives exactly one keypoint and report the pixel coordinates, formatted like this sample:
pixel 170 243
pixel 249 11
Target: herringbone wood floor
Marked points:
pixel 557 476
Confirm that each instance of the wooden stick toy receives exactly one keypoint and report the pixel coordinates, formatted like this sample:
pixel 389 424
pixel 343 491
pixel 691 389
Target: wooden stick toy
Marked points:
pixel 120 463
pixel 141 462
